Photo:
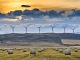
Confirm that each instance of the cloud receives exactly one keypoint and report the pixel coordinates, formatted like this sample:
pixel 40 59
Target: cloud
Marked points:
pixel 41 20
pixel 25 6
pixel 73 20
pixel 9 20
pixel 36 16
pixel 49 20
pixel 72 0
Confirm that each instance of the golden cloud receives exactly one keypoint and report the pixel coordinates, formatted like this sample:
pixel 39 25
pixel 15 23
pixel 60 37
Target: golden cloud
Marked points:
pixel 11 5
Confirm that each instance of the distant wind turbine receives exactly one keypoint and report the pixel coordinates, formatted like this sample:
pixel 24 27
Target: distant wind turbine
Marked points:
pixel 0 29
pixel 64 27
pixel 42 26
pixel 39 29
pixel 12 27
pixel 52 27
pixel 73 27
pixel 26 27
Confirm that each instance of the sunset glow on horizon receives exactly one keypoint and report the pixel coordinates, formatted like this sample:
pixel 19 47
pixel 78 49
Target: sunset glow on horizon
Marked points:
pixel 11 5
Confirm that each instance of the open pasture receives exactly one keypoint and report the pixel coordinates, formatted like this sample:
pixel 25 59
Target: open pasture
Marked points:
pixel 40 54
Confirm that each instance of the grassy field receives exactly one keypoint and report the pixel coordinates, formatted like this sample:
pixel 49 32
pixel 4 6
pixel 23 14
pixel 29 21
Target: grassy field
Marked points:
pixel 46 54
pixel 70 41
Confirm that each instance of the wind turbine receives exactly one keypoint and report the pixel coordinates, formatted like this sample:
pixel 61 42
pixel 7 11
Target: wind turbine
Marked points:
pixel 73 27
pixel 64 27
pixel 39 29
pixel 52 27
pixel 42 26
pixel 38 26
pixel 26 27
pixel 0 29
pixel 12 27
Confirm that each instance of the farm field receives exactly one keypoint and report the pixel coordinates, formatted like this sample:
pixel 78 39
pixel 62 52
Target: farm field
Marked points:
pixel 70 41
pixel 39 47
pixel 39 54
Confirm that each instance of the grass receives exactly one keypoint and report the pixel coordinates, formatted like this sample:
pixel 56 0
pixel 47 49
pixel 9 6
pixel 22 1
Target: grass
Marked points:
pixel 47 54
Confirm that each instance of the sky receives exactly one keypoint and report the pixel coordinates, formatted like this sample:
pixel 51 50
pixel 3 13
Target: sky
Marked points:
pixel 45 24
pixel 11 5
pixel 20 29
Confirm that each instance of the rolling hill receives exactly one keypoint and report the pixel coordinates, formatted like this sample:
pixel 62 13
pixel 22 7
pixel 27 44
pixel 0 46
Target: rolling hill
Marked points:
pixel 38 37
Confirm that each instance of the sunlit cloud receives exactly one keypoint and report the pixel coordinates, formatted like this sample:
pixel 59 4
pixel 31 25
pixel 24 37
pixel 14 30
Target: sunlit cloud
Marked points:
pixel 11 5
pixel 8 20
pixel 72 0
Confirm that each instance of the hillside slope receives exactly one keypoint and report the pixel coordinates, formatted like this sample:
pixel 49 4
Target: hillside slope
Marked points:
pixel 36 37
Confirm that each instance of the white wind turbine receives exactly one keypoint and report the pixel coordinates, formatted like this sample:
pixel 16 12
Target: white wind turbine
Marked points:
pixel 37 26
pixel 65 26
pixel 52 27
pixel 73 27
pixel 13 28
pixel 26 27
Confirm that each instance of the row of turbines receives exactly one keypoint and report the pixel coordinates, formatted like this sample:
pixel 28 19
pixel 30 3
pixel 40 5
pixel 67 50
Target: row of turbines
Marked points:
pixel 73 27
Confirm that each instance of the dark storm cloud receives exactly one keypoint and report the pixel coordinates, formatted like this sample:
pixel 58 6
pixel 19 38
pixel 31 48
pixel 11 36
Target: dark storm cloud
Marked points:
pixel 25 6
